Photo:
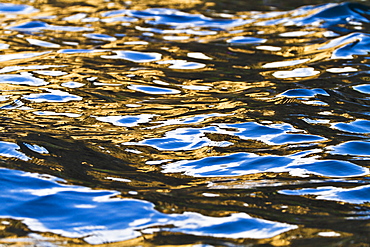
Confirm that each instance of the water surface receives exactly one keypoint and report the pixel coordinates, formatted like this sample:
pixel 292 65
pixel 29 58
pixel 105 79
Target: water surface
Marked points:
pixel 222 123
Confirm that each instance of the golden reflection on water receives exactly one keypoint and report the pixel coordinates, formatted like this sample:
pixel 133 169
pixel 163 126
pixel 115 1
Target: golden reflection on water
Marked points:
pixel 233 83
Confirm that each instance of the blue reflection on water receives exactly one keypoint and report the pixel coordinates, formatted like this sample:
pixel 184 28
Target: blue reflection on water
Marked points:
pixel 16 56
pixel 364 88
pixel 246 163
pixel 42 43
pixel 35 200
pixel 153 90
pixel 183 139
pixel 194 138
pixel 172 17
pixel 276 134
pixel 77 51
pixel 296 73
pixel 188 120
pixel 9 8
pixel 333 168
pixel 349 45
pixel 100 36
pixel 135 56
pixel 36 148
pixel 246 40
pixel 358 195
pixel 126 121
pixel 229 165
pixel 8 149
pixel 36 26
pixel 295 138
pixel 52 96
pixel 182 64
pixel 282 63
pixel 357 126
pixel 361 148
pixel 304 92
pixel 23 79
pixel 252 129
pixel 335 14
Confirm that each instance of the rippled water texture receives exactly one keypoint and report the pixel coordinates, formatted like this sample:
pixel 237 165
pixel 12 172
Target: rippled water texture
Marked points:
pixel 184 123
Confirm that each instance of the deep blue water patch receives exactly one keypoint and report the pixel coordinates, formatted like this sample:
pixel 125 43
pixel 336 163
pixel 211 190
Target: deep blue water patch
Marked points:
pixel 9 8
pixel 36 200
pixel 331 15
pixel 360 148
pixel 357 126
pixel 238 164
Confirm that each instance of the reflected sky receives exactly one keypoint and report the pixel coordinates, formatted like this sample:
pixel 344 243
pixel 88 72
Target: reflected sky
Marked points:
pixel 195 138
pixel 42 43
pixel 357 126
pixel 153 90
pixel 355 148
pixel 52 96
pixel 9 8
pixel 126 121
pixel 296 73
pixel 37 26
pixel 23 79
pixel 72 218
pixel 8 149
pixel 16 56
pixel 179 19
pixel 245 40
pixel 143 110
pixel 183 139
pixel 245 163
pixel 182 64
pixel 357 195
pixel 135 56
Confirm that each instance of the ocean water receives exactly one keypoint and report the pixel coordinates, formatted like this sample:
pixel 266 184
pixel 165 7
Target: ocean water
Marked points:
pixel 184 123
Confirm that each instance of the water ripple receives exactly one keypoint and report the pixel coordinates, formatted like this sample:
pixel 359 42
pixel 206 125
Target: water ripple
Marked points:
pixel 275 134
pixel 136 56
pixel 9 8
pixel 32 191
pixel 245 163
pixel 183 139
pixel 360 148
pixel 52 96
pixel 296 73
pixel 153 90
pixel 126 121
pixel 172 17
pixel 23 79
pixel 8 149
pixel 192 122
pixel 335 14
pixel 357 195
pixel 357 126
pixel 37 26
